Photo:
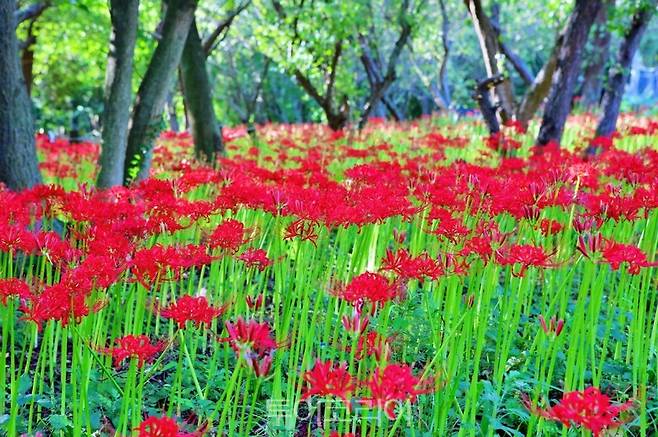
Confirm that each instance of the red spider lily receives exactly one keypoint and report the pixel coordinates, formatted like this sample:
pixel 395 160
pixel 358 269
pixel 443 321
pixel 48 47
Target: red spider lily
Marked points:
pixel 393 384
pixel 246 337
pixel 616 253
pixel 58 251
pixel 326 379
pixel 516 125
pixel 133 346
pixel 357 322
pixel 254 303
pixel 229 235
pixel 554 327
pixel 589 245
pixel 162 427
pixel 480 246
pixel 524 254
pixel 14 287
pixel 305 231
pixel 371 287
pixel 550 227
pixel 590 409
pixel 373 344
pixel 260 364
pixel 62 301
pixel 192 309
pixel 345 434
pixel 152 263
pixel 14 238
pixel 408 267
pixel 255 258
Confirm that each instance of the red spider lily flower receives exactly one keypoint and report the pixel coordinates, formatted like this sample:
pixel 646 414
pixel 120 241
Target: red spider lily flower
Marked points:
pixel 305 231
pixel 62 301
pixel 58 251
pixel 255 258
pixel 337 434
pixel 325 379
pixel 260 364
pixel 616 253
pixel 550 227
pixel 229 235
pixel 480 246
pixel 13 238
pixel 192 309
pixel 162 427
pixel 14 287
pixel 373 344
pixel 246 337
pixel 254 303
pixel 516 125
pixel 371 287
pixel 408 267
pixel 554 327
pixel 357 322
pixel 590 409
pixel 393 384
pixel 589 245
pixel 133 346
pixel 524 254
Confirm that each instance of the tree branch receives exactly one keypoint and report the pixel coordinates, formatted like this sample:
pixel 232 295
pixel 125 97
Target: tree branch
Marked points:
pixel 223 26
pixel 31 12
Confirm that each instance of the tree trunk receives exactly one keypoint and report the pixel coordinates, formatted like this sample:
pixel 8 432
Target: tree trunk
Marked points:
pixel 490 47
pixel 541 85
pixel 27 57
pixel 593 74
pixel 157 82
pixel 443 69
pixel 118 91
pixel 566 71
pixel 198 98
pixel 18 158
pixel 618 73
pixel 171 112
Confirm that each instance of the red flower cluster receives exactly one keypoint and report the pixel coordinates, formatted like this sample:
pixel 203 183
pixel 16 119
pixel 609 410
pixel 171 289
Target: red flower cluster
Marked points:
pixel 192 309
pixel 368 287
pixel 134 346
pixel 386 387
pixel 252 341
pixel 162 427
pixel 590 409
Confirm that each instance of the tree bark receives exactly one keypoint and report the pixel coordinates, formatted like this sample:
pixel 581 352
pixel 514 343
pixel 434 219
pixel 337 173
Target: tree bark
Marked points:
pixel 592 88
pixel 566 71
pixel 445 42
pixel 618 73
pixel 157 82
pixel 124 15
pixel 198 100
pixel 491 51
pixel 541 85
pixel 18 158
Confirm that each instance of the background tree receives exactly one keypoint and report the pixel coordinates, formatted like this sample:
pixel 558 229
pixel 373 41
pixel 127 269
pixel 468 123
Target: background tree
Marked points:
pixel 118 91
pixel 567 67
pixel 147 113
pixel 618 72
pixel 18 161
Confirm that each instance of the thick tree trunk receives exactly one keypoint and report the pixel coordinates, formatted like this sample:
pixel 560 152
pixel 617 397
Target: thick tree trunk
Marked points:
pixel 198 100
pixel 490 47
pixel 157 82
pixel 18 158
pixel 593 74
pixel 118 91
pixel 566 71
pixel 618 73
